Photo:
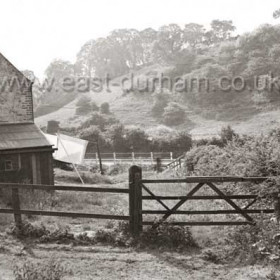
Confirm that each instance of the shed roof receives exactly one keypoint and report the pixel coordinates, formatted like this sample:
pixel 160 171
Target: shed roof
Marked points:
pixel 21 136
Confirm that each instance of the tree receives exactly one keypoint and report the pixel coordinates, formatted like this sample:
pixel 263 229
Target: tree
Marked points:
pixel 161 101
pixel 60 69
pixel 83 106
pixel 136 139
pixel 115 134
pixel 105 108
pixel 173 114
pixel 276 14
pixel 221 30
pixel 193 34
pixel 128 45
pixel 148 38
pixel 97 119
pixel 227 134
pixel 85 64
pixel 169 42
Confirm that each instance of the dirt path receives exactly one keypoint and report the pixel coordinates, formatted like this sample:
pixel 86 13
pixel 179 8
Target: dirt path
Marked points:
pixel 105 262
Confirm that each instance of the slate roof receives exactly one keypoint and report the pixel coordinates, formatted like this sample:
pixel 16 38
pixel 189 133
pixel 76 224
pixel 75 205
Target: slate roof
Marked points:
pixel 21 136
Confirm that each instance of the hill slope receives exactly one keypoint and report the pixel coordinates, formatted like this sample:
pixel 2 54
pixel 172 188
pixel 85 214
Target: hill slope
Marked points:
pixel 135 109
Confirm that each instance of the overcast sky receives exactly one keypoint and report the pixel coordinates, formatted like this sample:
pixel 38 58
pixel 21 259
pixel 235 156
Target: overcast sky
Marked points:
pixel 34 32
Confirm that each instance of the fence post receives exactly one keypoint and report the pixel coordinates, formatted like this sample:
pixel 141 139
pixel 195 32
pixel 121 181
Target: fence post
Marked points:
pixel 16 207
pixel 135 200
pixel 96 158
pixel 115 158
pixel 277 206
pixel 171 156
pixel 152 158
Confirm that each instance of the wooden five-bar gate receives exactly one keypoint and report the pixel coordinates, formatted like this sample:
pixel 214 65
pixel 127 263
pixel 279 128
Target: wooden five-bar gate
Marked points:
pixel 137 185
pixel 135 192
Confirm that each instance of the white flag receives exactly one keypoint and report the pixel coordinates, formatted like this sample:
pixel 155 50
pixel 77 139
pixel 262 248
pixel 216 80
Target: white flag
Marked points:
pixel 69 149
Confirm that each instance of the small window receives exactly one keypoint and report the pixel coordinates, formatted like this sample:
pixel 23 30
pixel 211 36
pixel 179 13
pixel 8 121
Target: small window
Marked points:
pixel 8 165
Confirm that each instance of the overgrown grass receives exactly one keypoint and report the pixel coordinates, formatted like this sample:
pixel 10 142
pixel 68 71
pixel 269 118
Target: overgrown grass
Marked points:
pixel 252 244
pixel 51 269
pixel 87 176
pixel 165 236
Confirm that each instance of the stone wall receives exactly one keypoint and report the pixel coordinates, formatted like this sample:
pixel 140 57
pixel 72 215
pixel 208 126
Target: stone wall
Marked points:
pixel 15 95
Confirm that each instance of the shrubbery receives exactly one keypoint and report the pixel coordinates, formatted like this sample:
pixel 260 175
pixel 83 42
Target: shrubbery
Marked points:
pixel 251 244
pixel 164 235
pixel 173 114
pixel 246 156
pixel 47 270
pixel 85 106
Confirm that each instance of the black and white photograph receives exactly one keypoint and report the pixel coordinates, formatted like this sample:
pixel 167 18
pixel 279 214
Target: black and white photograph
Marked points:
pixel 140 140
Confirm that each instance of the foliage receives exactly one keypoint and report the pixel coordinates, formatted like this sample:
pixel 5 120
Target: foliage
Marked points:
pixel 166 235
pixel 227 134
pixel 276 14
pixel 99 120
pixel 243 156
pixel 118 169
pixel 256 243
pixel 193 51
pixel 105 108
pixel 84 106
pixel 128 49
pixel 27 229
pixel 161 101
pixel 47 270
pixel 173 114
pixel 87 176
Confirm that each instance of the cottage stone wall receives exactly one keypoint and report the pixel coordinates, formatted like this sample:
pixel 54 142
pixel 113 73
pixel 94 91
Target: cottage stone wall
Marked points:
pixel 15 95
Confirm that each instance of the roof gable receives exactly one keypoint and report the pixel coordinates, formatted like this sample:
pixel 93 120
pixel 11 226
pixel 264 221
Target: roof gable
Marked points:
pixel 16 105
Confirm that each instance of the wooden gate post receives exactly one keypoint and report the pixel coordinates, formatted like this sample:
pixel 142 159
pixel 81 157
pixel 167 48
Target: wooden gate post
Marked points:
pixel 135 200
pixel 277 206
pixel 16 207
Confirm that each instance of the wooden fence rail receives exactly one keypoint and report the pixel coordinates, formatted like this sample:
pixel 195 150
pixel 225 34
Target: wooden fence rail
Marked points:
pixel 17 211
pixel 138 186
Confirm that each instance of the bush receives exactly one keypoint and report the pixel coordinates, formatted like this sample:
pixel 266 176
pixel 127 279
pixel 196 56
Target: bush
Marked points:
pixel 99 120
pixel 117 235
pixel 47 270
pixel 227 134
pixel 167 236
pixel 118 168
pixel 28 230
pixel 83 106
pixel 160 103
pixel 173 114
pixel 251 244
pixel 243 156
pixel 105 108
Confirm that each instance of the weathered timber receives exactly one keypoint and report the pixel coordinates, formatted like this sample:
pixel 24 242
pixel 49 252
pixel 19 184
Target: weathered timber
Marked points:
pixel 230 202
pixel 63 188
pixel 16 207
pixel 209 212
pixel 216 223
pixel 135 200
pixel 198 197
pixel 63 214
pixel 206 179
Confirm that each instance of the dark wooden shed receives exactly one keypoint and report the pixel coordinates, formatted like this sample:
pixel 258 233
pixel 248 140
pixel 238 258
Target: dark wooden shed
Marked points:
pixel 25 155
